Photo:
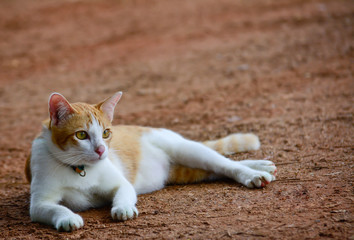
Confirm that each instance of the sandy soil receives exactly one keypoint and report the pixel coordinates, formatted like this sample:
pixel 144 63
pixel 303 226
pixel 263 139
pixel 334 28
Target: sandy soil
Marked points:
pixel 204 68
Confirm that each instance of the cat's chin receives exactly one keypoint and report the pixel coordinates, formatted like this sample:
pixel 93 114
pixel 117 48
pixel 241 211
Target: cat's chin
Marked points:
pixel 93 161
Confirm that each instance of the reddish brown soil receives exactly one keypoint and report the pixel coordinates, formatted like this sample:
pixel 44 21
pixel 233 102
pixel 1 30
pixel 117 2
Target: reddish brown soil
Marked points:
pixel 204 68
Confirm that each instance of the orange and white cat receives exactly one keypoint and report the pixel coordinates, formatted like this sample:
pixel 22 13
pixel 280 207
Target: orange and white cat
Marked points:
pixel 81 161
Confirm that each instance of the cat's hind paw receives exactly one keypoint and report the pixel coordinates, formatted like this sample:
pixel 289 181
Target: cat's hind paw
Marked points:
pixel 124 213
pixel 262 165
pixel 259 179
pixel 69 223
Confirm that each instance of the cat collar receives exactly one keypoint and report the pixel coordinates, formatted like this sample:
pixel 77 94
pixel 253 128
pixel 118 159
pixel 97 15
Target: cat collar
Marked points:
pixel 80 170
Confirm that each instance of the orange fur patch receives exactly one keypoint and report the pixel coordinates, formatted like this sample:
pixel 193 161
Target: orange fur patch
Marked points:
pixel 126 144
pixel 234 146
pixel 219 146
pixel 250 140
pixel 181 175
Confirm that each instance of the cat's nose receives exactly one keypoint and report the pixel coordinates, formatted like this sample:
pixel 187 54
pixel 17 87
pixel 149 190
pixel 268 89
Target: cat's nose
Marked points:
pixel 100 150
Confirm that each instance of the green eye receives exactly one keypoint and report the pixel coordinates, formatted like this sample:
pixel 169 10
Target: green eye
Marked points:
pixel 82 135
pixel 106 133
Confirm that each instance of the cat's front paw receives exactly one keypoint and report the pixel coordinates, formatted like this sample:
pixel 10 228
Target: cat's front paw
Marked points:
pixel 123 213
pixel 69 222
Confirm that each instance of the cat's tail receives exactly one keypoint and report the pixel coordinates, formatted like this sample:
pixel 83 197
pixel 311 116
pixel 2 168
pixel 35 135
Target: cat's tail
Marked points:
pixel 234 143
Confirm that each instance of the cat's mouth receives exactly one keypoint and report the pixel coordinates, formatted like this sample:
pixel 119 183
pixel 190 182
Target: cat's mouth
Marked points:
pixel 95 158
pixel 88 160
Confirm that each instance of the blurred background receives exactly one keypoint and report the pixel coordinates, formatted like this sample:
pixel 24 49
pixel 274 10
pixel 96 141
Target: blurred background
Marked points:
pixel 204 68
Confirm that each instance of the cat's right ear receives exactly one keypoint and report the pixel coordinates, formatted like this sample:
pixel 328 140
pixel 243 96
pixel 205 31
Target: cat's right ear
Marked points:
pixel 59 108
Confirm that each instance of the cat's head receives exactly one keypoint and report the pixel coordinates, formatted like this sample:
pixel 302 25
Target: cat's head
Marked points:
pixel 81 131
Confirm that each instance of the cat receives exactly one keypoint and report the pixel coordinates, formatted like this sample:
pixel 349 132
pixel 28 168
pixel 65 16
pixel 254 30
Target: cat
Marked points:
pixel 81 161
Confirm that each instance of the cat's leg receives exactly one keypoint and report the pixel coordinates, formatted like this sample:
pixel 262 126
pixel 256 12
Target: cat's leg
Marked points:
pixel 51 213
pixel 124 202
pixel 196 155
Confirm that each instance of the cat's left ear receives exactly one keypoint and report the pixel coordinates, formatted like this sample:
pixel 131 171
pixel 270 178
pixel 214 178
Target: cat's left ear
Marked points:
pixel 108 105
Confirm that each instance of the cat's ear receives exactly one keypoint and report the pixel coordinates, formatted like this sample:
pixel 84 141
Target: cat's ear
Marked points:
pixel 59 108
pixel 108 105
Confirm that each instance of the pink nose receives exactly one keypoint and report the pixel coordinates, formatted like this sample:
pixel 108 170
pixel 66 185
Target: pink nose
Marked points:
pixel 100 150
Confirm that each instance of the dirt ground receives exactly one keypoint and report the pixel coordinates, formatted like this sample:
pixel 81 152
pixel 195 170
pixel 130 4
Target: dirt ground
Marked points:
pixel 204 68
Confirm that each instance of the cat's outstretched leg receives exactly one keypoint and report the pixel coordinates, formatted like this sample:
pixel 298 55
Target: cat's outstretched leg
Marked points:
pixel 196 155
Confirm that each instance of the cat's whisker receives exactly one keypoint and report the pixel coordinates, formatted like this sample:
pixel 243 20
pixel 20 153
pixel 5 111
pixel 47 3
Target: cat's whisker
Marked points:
pixel 77 158
pixel 60 154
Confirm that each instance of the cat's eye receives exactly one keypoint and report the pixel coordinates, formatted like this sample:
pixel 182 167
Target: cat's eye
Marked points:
pixel 106 133
pixel 82 135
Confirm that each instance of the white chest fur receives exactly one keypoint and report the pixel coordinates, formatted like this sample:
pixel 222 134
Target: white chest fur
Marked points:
pixel 96 189
pixel 53 180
